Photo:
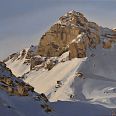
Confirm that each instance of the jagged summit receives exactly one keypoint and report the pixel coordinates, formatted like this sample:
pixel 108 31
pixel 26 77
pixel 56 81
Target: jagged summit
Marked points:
pixel 73 12
pixel 58 38
pixel 71 17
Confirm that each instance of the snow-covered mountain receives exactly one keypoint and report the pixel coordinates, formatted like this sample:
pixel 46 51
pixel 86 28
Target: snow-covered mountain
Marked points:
pixel 75 61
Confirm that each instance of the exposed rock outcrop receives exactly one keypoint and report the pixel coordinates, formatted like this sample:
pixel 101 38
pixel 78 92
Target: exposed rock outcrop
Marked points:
pixel 37 60
pixel 13 56
pixel 107 44
pixel 78 47
pixel 77 50
pixel 50 64
pixel 12 84
pixel 32 51
pixel 57 39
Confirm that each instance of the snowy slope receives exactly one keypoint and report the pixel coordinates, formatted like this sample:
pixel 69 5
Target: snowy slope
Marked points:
pixel 19 106
pixel 18 65
pixel 99 77
pixel 45 81
pixel 20 62
pixel 65 108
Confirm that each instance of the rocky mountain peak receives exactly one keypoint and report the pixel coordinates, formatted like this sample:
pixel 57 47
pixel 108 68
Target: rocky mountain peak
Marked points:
pixel 73 17
pixel 57 39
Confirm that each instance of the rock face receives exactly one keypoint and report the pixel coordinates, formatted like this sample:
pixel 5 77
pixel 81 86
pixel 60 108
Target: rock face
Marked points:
pixel 50 64
pixel 56 41
pixel 11 84
pixel 107 44
pixel 77 50
pixel 36 61
pixel 78 47
pixel 108 37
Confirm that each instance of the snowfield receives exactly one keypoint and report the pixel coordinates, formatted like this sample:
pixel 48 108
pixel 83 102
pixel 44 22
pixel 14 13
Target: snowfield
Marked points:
pixel 19 106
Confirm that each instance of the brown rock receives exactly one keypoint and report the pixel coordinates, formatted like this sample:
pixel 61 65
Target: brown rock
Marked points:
pixel 6 80
pixel 21 90
pixel 10 89
pixel 23 53
pixel 61 34
pixel 36 61
pixel 56 39
pixel 77 50
pixel 107 44
pixel 49 65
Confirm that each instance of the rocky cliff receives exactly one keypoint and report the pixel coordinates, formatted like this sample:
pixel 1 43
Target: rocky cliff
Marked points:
pixel 11 84
pixel 59 38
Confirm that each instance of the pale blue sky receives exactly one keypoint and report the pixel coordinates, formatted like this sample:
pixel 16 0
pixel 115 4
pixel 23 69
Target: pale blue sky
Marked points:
pixel 22 22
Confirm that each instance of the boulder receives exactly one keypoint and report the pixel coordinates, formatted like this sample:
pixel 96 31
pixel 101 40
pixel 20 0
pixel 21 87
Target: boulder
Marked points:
pixel 49 65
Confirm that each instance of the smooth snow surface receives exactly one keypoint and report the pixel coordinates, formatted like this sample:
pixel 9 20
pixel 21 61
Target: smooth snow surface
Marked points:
pixel 19 106
pixel 18 67
pixel 45 81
